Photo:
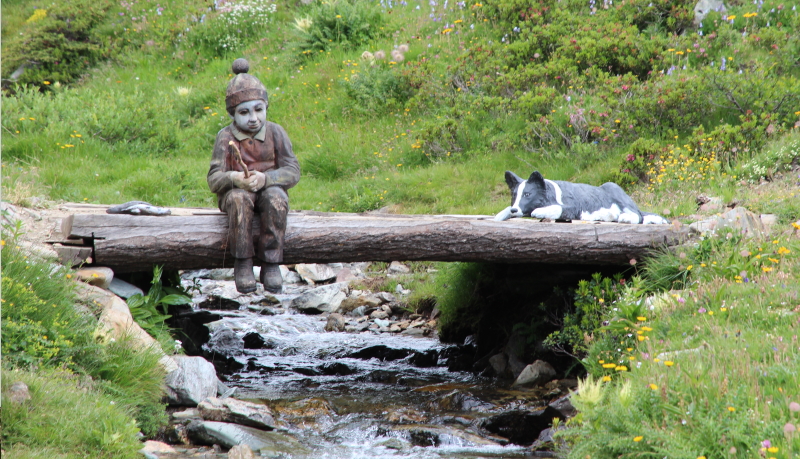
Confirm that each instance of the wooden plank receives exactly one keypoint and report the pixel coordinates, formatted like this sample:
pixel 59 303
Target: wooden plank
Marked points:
pixel 135 243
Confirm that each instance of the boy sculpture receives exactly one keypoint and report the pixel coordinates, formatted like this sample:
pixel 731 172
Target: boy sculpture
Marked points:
pixel 252 167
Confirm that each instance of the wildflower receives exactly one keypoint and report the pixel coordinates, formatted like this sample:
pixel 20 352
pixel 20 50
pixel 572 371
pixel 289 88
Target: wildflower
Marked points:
pixel 46 82
pixel 641 319
pixel 638 439
pixel 794 407
pixel 653 386
pixel 731 409
pixel 404 47
pixel 380 55
pixel 621 368
pixel 702 310
pixel 303 24
pixel 773 449
pixel 669 363
pixel 783 251
pixel 766 444
pixel 689 268
pixel 766 269
pixel 789 428
pixel 609 365
pixel 606 378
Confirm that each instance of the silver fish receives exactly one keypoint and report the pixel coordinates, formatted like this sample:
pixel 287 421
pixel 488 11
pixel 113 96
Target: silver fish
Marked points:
pixel 138 208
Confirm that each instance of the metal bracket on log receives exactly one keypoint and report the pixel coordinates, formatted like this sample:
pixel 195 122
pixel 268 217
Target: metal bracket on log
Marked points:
pixel 129 243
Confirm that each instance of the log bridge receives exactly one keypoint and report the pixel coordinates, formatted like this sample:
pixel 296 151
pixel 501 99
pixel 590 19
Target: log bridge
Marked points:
pixel 197 238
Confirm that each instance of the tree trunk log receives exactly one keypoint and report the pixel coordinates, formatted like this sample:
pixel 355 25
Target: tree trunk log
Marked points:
pixel 130 243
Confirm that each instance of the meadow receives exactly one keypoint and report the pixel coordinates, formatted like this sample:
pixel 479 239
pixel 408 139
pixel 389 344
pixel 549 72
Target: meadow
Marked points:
pixel 420 107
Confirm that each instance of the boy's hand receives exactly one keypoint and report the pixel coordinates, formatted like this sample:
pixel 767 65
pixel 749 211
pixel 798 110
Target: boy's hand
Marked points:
pixel 261 180
pixel 255 182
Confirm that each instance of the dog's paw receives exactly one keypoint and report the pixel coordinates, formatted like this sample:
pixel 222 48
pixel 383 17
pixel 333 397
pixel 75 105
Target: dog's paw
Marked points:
pixel 503 215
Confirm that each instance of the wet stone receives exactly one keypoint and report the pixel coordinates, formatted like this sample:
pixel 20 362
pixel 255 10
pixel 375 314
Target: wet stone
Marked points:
pixel 237 412
pixel 315 273
pixel 219 303
pixel 520 426
pixel 254 340
pixel 335 323
pixel 336 369
pixel 537 373
pixel 226 342
pixel 381 352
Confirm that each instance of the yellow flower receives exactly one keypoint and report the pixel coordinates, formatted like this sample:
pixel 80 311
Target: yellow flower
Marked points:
pixel 609 365
pixel 731 409
pixel 641 338
pixel 783 251
pixel 638 439
pixel 46 82
pixel 606 378
pixel 689 268
pixel 766 269
pixel 669 363
pixel 773 449
pixel 621 368
pixel 641 319
pixel 653 386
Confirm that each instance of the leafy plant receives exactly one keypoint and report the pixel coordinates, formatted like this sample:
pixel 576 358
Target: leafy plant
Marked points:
pixel 345 23
pixel 152 310
pixel 591 309
pixel 232 26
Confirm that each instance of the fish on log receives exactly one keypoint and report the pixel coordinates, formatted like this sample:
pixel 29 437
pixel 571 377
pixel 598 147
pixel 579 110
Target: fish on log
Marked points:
pixel 129 243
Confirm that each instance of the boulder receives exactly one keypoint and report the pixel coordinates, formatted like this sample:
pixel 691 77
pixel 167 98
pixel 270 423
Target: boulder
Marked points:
pixel 219 303
pixel 326 298
pixel 241 452
pixel 157 447
pixel 315 273
pixel 226 342
pixel 535 374
pixel 253 340
pixel 386 297
pixel 289 276
pixel 230 435
pixel 193 381
pixel 520 426
pixel 18 393
pixel 99 276
pixel 336 323
pixel 237 412
pixel 115 321
pixel 357 299
pixel 739 219
pixel 564 406
pixel 704 7
pixel 396 267
pixel 124 289
pixel 499 363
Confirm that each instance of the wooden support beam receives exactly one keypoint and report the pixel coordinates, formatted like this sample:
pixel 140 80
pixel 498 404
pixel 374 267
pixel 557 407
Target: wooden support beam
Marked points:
pixel 129 243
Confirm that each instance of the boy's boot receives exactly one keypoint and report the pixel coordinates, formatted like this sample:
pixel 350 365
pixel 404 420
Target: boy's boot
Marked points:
pixel 243 275
pixel 271 277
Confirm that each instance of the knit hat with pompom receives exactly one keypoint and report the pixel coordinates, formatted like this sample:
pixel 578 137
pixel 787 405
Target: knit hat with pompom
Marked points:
pixel 243 87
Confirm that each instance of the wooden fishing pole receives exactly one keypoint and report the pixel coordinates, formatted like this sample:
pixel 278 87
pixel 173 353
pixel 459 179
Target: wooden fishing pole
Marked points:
pixel 238 156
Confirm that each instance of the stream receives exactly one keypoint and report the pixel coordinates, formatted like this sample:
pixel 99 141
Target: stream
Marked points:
pixel 363 393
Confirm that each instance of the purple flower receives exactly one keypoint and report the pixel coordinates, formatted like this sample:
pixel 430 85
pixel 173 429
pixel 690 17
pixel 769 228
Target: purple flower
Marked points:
pixel 766 444
pixel 702 310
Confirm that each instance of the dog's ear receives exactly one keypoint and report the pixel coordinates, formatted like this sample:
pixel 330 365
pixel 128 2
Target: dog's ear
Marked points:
pixel 512 179
pixel 536 179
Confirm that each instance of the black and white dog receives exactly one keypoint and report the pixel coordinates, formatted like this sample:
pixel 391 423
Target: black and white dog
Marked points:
pixel 538 197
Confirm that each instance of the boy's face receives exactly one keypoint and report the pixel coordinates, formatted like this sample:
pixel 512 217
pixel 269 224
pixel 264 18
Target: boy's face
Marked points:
pixel 250 116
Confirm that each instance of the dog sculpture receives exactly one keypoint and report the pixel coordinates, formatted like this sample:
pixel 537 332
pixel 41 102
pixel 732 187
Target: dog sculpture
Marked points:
pixel 538 197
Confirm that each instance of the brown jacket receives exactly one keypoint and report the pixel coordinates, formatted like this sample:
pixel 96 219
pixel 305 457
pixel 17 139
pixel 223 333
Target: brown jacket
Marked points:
pixel 269 151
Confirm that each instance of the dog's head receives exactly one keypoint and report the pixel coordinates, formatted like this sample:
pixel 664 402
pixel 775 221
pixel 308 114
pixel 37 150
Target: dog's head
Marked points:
pixel 526 195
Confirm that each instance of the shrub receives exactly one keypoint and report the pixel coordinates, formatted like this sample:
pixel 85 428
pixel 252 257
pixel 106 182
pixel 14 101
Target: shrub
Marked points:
pixel 377 89
pixel 592 303
pixel 346 23
pixel 59 46
pixel 640 154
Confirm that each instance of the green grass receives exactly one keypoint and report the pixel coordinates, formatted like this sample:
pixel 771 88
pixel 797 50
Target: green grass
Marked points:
pixel 65 418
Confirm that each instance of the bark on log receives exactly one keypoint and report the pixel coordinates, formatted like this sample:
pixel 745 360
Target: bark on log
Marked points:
pixel 129 243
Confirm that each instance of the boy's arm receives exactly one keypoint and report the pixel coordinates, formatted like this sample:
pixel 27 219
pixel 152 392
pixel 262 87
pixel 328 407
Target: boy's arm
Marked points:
pixel 219 178
pixel 288 172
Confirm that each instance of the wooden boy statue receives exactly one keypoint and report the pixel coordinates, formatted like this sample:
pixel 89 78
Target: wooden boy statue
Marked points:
pixel 251 168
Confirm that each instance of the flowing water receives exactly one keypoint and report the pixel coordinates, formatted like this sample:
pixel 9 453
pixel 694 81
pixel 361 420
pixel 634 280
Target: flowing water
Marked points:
pixel 361 395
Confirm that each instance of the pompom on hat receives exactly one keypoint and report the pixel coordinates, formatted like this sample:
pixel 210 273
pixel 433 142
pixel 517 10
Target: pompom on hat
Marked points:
pixel 243 87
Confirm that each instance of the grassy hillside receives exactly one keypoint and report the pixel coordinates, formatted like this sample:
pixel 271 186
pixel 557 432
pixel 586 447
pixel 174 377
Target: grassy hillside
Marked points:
pixel 421 106
pixel 562 87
